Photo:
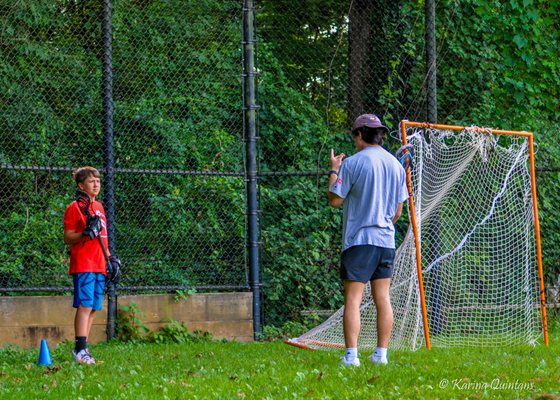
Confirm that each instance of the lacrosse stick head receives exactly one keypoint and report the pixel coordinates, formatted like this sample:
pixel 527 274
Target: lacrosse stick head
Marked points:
pixel 84 202
pixel 405 155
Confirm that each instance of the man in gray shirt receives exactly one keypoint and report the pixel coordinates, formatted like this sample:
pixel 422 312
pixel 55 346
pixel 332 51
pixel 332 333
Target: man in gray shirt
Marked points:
pixel 371 185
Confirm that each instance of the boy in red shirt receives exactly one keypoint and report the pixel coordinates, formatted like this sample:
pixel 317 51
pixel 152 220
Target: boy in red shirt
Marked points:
pixel 88 265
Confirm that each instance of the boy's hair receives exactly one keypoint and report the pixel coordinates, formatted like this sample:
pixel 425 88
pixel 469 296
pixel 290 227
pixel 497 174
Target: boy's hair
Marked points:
pixel 82 173
pixel 371 135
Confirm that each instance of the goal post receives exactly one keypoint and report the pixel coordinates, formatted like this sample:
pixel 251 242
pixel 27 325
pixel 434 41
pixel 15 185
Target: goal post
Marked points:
pixel 469 270
pixel 525 150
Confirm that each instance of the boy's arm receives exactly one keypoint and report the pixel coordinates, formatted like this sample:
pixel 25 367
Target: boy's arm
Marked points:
pixel 72 237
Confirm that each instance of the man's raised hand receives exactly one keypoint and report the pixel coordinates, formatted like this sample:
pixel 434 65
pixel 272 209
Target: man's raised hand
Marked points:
pixel 336 161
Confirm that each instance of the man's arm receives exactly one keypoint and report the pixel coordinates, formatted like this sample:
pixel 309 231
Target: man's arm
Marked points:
pixel 336 162
pixel 398 213
pixel 334 199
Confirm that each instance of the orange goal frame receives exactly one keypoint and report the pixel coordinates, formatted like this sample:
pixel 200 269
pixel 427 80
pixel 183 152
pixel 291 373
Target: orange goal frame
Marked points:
pixel 529 135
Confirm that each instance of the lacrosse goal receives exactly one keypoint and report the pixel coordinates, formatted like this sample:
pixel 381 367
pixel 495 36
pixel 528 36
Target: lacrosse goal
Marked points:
pixel 469 270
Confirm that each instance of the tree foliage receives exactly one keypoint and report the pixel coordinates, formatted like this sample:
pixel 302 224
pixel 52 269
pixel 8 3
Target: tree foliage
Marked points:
pixel 178 107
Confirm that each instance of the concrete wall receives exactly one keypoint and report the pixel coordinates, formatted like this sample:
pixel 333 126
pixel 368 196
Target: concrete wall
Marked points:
pixel 24 321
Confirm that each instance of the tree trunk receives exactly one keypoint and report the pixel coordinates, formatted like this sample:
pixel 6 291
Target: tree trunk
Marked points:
pixel 359 49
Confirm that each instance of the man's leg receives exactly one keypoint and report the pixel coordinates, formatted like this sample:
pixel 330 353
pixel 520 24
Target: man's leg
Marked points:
pixel 380 293
pixel 353 292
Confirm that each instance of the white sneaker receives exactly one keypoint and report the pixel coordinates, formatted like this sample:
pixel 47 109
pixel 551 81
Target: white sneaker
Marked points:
pixel 354 363
pixel 83 357
pixel 378 360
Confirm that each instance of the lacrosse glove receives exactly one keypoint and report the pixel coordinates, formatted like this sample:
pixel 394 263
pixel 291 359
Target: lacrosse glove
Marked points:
pixel 405 155
pixel 93 227
pixel 114 269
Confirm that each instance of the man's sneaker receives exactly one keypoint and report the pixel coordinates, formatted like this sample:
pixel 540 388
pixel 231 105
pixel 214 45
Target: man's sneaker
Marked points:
pixel 378 360
pixel 354 363
pixel 83 357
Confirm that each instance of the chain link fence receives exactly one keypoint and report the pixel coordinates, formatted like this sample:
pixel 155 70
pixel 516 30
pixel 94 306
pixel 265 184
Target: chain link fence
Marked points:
pixel 178 123
pixel 178 145
pixel 178 129
pixel 325 62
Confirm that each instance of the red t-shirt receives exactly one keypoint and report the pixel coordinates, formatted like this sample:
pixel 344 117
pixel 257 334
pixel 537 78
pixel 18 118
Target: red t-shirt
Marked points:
pixel 86 255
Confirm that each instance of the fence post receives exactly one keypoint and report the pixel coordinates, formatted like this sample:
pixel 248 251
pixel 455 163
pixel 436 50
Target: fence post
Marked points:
pixel 430 10
pixel 250 137
pixel 435 311
pixel 109 179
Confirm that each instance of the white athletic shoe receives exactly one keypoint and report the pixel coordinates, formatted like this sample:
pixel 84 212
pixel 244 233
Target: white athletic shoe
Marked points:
pixel 83 357
pixel 354 363
pixel 378 360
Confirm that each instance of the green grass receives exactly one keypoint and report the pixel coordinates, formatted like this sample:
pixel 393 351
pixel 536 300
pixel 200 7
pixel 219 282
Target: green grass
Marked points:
pixel 273 370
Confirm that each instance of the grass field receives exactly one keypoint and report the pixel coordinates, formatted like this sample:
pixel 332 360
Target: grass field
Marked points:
pixel 273 370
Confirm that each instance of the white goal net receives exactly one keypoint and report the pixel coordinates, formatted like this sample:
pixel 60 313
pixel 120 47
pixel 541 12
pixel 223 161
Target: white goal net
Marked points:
pixel 476 228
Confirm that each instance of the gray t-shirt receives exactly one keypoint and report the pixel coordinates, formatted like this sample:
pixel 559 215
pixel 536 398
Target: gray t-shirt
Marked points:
pixel 373 183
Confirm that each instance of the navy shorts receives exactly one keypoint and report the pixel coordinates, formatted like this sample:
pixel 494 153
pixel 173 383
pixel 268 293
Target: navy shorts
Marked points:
pixel 366 263
pixel 88 289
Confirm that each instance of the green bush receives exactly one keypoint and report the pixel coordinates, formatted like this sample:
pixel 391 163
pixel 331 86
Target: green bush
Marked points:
pixel 178 106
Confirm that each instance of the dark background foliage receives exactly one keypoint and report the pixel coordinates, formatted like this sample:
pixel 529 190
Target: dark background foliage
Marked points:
pixel 179 108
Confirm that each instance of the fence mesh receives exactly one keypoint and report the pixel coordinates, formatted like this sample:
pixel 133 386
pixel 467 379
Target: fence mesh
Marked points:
pixel 178 129
pixel 336 60
pixel 178 113
pixel 180 188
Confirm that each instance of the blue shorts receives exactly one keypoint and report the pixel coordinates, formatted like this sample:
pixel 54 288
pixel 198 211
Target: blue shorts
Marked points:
pixel 88 289
pixel 366 263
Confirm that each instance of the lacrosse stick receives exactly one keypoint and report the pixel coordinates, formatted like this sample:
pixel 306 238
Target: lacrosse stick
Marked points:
pixel 84 204
pixel 404 155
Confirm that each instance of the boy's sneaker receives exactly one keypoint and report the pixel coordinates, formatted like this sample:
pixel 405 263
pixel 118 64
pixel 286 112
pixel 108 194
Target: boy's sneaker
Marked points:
pixel 354 363
pixel 83 357
pixel 378 360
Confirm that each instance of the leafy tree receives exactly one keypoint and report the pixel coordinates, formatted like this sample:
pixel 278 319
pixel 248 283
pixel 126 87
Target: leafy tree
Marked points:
pixel 178 109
